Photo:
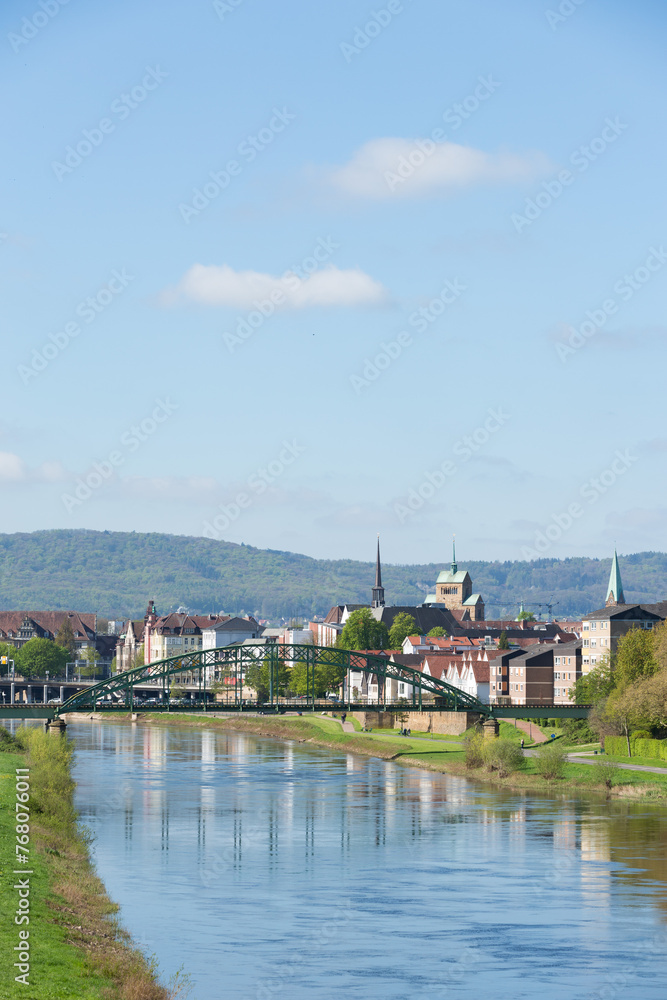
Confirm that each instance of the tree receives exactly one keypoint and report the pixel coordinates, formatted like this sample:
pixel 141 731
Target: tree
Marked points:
pixel 503 641
pixel 90 657
pixel 257 677
pixel 38 656
pixel 437 632
pixel 596 685
pixel 402 626
pixel 65 638
pixel 635 657
pixel 525 616
pixel 363 631
pixel 328 677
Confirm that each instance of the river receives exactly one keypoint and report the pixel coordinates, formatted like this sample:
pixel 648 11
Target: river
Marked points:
pixel 273 870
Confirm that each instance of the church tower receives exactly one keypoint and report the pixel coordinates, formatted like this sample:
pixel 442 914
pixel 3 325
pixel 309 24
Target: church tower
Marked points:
pixel 378 589
pixel 615 593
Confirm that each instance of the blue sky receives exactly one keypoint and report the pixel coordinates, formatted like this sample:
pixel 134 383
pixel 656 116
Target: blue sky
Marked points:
pixel 292 274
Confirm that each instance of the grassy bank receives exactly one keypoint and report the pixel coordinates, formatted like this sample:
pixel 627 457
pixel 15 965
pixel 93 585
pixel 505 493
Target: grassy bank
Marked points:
pixel 444 755
pixel 77 949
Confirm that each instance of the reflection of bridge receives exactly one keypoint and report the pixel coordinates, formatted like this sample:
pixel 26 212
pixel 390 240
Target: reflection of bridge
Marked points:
pixel 201 670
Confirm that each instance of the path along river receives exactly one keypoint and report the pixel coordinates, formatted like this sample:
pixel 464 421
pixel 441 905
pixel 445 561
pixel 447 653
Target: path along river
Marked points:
pixel 272 870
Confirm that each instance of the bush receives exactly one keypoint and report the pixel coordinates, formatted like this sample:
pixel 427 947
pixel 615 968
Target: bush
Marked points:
pixel 52 786
pixel 7 741
pixel 617 746
pixel 550 761
pixel 503 756
pixel 605 772
pixel 579 731
pixel 473 749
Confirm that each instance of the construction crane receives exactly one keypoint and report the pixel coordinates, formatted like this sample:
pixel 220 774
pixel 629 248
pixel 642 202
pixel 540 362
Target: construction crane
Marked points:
pixel 554 604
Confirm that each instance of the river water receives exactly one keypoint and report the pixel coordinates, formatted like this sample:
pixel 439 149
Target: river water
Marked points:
pixel 273 870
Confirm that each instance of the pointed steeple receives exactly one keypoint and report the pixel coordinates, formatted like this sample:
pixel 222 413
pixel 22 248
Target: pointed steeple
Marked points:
pixel 454 566
pixel 615 593
pixel 378 589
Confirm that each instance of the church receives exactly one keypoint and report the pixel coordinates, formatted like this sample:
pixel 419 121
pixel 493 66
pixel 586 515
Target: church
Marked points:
pixel 453 588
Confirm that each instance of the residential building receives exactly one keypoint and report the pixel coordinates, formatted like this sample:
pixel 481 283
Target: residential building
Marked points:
pixel 227 630
pixel 19 627
pixel 528 676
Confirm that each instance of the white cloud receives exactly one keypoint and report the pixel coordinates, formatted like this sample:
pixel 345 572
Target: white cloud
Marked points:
pixel 12 468
pixel 223 286
pixel 412 168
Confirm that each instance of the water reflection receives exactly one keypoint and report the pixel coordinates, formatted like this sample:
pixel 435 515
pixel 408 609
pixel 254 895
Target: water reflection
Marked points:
pixel 278 870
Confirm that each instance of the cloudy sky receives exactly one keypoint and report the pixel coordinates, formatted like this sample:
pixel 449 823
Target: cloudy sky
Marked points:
pixel 292 274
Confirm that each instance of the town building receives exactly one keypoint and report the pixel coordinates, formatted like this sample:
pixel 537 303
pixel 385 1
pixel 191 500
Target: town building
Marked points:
pixel 228 630
pixel 544 673
pixel 19 627
pixel 453 588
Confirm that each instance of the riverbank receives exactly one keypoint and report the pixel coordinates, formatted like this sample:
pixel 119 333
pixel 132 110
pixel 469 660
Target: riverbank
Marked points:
pixel 53 905
pixel 443 756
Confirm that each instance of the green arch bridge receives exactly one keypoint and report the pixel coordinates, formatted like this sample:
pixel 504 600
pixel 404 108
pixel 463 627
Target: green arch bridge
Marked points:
pixel 200 670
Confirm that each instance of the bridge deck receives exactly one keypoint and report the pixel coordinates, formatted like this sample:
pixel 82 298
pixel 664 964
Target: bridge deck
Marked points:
pixel 35 711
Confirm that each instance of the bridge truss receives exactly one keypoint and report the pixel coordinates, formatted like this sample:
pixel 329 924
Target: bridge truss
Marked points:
pixel 228 665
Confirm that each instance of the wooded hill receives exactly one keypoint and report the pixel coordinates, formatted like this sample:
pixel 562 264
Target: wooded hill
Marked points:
pixel 115 573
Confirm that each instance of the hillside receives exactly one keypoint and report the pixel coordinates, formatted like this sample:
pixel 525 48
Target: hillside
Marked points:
pixel 115 574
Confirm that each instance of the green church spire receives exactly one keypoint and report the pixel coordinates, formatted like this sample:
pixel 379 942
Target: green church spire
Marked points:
pixel 615 593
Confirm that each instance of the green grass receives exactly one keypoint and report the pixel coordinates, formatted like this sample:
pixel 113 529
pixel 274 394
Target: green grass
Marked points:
pixel 57 969
pixel 421 734
pixel 76 951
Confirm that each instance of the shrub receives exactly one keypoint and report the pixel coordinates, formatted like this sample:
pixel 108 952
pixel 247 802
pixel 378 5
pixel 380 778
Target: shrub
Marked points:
pixel 503 756
pixel 550 761
pixel 605 772
pixel 7 741
pixel 579 731
pixel 473 749
pixel 641 734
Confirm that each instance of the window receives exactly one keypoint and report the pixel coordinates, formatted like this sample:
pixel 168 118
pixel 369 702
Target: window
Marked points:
pixel 594 625
pixel 585 660
pixel 587 642
pixel 585 627
pixel 557 660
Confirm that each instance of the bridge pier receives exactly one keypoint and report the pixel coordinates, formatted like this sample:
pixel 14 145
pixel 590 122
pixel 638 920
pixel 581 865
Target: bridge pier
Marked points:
pixel 56 727
pixel 490 729
pixel 12 694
